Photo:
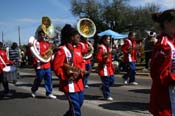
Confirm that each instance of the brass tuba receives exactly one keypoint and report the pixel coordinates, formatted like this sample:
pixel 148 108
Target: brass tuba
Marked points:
pixel 47 27
pixel 49 31
pixel 87 29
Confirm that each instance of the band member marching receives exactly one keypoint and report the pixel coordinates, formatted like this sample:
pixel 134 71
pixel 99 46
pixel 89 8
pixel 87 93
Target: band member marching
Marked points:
pixel 87 29
pixel 3 60
pixel 105 66
pixel 43 69
pixel 163 67
pixel 86 48
pixel 130 54
pixel 69 66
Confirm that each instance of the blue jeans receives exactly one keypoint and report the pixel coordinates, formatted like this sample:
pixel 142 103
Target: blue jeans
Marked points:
pixel 88 67
pixel 47 75
pixel 131 72
pixel 4 83
pixel 107 81
pixel 75 102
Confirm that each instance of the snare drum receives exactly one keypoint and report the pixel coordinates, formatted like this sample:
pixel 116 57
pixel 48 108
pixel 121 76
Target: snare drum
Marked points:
pixel 9 73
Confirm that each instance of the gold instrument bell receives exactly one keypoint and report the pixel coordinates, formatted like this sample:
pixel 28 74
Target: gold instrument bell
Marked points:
pixel 49 31
pixel 47 27
pixel 86 27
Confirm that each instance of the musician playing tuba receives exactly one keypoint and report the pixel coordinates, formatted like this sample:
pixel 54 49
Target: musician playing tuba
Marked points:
pixel 86 49
pixel 69 66
pixel 87 29
pixel 43 69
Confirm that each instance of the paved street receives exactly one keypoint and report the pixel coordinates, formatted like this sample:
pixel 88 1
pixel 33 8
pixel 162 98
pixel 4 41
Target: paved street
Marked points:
pixel 128 99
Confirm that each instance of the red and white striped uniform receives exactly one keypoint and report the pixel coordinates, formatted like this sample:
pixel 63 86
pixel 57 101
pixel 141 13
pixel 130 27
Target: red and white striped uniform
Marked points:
pixel 129 56
pixel 162 99
pixel 105 67
pixel 41 46
pixel 64 56
pixel 3 55
pixel 85 47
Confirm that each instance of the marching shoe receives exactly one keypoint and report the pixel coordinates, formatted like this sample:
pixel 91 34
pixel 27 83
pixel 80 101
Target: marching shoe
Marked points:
pixel 86 86
pixel 133 83
pixel 51 96
pixel 125 82
pixel 33 95
pixel 110 99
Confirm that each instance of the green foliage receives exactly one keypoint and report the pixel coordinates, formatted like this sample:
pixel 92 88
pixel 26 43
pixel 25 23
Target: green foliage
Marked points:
pixel 116 15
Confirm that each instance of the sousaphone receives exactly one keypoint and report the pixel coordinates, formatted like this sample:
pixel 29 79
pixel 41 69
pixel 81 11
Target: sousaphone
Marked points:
pixel 87 29
pixel 49 31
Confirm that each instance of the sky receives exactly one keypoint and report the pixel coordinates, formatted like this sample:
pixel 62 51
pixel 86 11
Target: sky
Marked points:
pixel 27 15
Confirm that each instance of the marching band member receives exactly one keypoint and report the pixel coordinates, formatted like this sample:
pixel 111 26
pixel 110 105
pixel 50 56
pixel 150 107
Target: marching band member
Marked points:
pixel 130 54
pixel 163 66
pixel 3 55
pixel 105 66
pixel 43 70
pixel 85 49
pixel 69 66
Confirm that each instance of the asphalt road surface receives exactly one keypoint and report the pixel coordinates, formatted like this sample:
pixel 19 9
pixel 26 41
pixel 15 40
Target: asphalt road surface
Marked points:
pixel 129 100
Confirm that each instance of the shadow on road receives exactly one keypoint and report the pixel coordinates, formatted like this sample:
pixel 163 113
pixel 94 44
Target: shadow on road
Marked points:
pixel 144 91
pixel 30 85
pixel 28 76
pixel 92 97
pixel 126 106
pixel 86 97
pixel 26 85
pixel 21 95
pixel 99 84
pixel 15 95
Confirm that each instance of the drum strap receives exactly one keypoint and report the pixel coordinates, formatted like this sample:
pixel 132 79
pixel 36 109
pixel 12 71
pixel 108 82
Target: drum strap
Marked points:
pixel 2 61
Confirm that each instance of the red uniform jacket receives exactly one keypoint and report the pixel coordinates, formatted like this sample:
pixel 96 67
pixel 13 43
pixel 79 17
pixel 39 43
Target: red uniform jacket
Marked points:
pixel 6 60
pixel 85 48
pixel 42 46
pixel 64 56
pixel 105 66
pixel 129 56
pixel 162 77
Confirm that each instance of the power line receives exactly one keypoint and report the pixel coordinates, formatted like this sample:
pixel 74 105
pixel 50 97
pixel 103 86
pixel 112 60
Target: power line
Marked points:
pixel 19 36
pixel 2 37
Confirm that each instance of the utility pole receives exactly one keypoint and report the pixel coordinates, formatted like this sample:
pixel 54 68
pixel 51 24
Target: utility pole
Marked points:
pixel 2 37
pixel 19 36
